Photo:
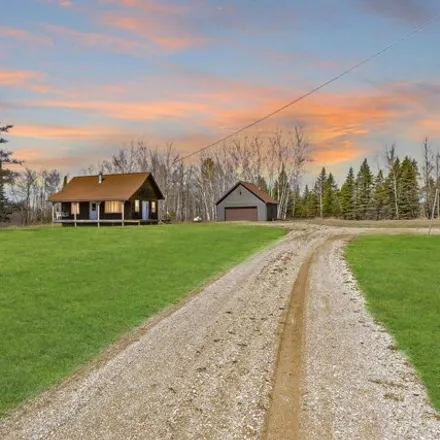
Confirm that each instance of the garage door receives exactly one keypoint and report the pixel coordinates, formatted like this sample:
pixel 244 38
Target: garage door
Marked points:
pixel 245 213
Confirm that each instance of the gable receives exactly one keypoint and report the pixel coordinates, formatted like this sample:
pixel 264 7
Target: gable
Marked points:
pixel 113 187
pixel 241 196
pixel 251 189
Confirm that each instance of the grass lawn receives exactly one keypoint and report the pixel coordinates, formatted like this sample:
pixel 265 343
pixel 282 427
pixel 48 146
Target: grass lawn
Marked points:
pixel 401 279
pixel 66 293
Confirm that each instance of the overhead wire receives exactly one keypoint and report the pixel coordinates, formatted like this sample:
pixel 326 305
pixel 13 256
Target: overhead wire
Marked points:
pixel 356 66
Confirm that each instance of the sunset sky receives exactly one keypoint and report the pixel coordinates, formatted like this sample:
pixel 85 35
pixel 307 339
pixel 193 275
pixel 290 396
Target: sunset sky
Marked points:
pixel 81 78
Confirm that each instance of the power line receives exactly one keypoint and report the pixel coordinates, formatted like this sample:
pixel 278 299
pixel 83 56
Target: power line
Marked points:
pixel 316 89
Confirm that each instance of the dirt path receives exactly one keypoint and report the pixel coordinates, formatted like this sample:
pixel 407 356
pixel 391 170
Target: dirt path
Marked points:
pixel 355 384
pixel 204 372
pixel 209 370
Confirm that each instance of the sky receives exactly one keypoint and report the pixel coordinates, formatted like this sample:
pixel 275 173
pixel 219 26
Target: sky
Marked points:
pixel 81 78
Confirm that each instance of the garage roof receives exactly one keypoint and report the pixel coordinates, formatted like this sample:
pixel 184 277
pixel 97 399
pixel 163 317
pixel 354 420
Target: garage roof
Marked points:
pixel 262 195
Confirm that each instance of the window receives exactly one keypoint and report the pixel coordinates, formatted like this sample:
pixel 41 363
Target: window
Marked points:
pixel 153 207
pixel 113 207
pixel 136 206
pixel 74 208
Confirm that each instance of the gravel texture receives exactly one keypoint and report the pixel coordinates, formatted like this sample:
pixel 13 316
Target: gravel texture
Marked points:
pixel 356 385
pixel 205 371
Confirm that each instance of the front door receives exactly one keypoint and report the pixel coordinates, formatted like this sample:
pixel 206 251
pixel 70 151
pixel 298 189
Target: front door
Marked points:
pixel 93 213
pixel 145 210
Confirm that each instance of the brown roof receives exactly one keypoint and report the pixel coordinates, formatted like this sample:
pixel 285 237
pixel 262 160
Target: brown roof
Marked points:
pixel 113 187
pixel 262 195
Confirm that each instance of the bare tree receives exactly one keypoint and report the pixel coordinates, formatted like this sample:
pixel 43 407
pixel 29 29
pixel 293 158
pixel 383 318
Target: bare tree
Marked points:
pixel 427 169
pixel 23 191
pixel 192 189
pixel 391 158
pixel 437 179
pixel 300 157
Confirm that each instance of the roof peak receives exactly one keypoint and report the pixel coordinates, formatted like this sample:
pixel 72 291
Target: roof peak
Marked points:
pixel 113 174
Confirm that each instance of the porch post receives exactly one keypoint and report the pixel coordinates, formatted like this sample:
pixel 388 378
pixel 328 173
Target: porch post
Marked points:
pixel 74 215
pixel 98 205
pixel 53 214
pixel 123 213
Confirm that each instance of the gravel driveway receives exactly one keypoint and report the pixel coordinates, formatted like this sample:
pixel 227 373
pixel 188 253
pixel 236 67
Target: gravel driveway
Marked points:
pixel 206 371
pixel 355 384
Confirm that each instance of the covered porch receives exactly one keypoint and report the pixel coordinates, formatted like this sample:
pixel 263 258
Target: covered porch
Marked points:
pixel 105 212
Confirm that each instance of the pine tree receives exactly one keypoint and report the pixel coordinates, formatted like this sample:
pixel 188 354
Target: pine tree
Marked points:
pixel 364 192
pixel 409 206
pixel 299 204
pixel 309 203
pixel 392 183
pixel 319 191
pixel 330 200
pixel 6 176
pixel 347 197
pixel 380 198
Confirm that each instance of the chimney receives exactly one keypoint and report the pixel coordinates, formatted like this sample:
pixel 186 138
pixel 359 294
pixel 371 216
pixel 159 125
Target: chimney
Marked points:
pixel 100 178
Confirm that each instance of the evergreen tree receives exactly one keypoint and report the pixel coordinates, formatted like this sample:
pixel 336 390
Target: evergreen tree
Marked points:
pixel 347 197
pixel 299 204
pixel 364 192
pixel 330 200
pixel 392 183
pixel 409 206
pixel 6 176
pixel 319 191
pixel 380 198
pixel 64 181
pixel 309 203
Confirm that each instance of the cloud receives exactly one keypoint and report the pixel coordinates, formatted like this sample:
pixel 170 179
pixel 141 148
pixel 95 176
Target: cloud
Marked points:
pixel 137 111
pixel 46 157
pixel 24 36
pixel 166 30
pixel 62 3
pixel 195 109
pixel 94 39
pixel 335 155
pixel 31 80
pixel 162 6
pixel 62 132
pixel 412 12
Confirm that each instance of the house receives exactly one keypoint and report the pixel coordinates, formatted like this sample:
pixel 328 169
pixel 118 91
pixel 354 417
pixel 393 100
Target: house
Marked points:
pixel 245 201
pixel 108 199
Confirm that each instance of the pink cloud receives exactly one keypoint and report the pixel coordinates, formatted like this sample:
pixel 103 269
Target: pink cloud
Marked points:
pixel 338 123
pixel 62 132
pixel 62 3
pixel 163 29
pixel 31 80
pixel 92 39
pixel 141 111
pixel 150 6
pixel 24 36
pixel 39 157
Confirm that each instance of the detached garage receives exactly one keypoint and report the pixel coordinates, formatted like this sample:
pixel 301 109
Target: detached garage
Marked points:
pixel 245 201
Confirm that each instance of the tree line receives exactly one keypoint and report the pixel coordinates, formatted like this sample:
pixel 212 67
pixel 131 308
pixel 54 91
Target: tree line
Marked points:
pixel 276 163
pixel 399 189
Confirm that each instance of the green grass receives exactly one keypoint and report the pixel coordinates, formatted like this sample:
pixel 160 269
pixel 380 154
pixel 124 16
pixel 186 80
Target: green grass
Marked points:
pixel 66 293
pixel 401 279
